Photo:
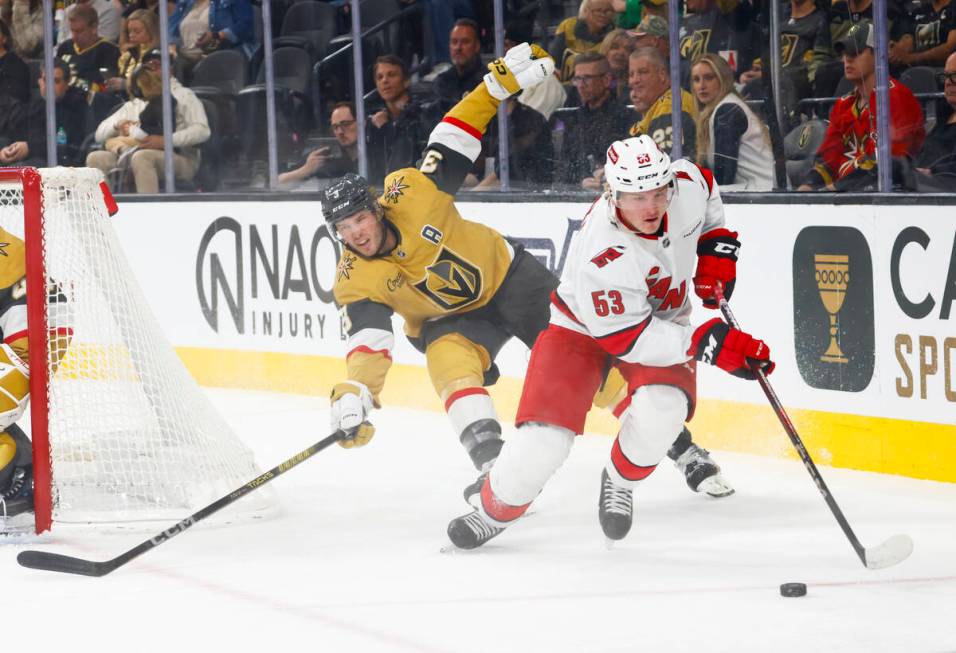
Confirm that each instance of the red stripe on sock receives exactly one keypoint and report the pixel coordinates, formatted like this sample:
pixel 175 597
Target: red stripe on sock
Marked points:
pixel 498 509
pixel 462 125
pixel 455 396
pixel 625 467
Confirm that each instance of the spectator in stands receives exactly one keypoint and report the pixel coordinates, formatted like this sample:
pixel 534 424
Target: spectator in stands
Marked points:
pixel 595 125
pixel 628 13
pixel 107 15
pixel 127 7
pixel 731 140
pixel 843 15
pixel 199 27
pixel 92 59
pixel 466 70
pixel 805 47
pixel 397 133
pixel 574 36
pixel 142 28
pixel 549 95
pixel 652 33
pixel 937 159
pixel 442 15
pixel 650 83
pixel 25 18
pixel 321 162
pixel 135 130
pixel 846 160
pixel 927 36
pixel 531 157
pixel 29 120
pixel 616 48
pixel 14 73
pixel 725 28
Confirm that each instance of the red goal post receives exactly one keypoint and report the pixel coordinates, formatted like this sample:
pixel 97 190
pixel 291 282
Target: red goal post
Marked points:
pixel 120 430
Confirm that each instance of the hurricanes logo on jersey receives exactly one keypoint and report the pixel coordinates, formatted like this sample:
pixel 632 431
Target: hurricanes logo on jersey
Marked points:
pixel 660 288
pixel 451 282
pixel 394 190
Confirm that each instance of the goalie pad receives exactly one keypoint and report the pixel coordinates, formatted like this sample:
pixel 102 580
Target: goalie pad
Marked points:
pixel 14 386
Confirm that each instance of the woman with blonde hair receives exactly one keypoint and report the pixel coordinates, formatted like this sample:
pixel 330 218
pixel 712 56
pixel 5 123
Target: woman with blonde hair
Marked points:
pixel 142 28
pixel 616 47
pixel 731 139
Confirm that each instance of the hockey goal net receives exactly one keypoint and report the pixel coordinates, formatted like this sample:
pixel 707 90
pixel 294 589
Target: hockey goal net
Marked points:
pixel 121 432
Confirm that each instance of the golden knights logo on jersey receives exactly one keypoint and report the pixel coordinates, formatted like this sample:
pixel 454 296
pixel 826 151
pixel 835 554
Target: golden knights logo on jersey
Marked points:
pixel 451 282
pixel 694 45
pixel 394 190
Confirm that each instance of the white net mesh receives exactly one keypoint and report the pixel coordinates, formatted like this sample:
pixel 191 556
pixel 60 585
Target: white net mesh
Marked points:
pixel 132 437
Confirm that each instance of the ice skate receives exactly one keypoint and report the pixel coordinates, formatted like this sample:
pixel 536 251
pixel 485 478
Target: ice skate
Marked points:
pixel 702 473
pixel 472 491
pixel 615 508
pixel 471 531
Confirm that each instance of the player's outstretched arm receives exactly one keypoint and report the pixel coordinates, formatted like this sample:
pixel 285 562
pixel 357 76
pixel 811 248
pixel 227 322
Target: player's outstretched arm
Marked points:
pixel 368 325
pixel 455 142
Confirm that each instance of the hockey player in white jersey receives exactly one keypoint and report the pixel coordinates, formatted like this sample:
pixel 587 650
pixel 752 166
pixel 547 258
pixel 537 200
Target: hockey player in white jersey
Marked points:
pixel 623 301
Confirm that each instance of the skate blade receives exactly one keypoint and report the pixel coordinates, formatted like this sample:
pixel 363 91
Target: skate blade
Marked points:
pixel 715 486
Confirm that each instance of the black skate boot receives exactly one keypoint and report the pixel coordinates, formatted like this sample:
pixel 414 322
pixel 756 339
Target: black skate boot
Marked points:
pixel 699 469
pixel 702 473
pixel 471 531
pixel 483 456
pixel 472 492
pixel 615 508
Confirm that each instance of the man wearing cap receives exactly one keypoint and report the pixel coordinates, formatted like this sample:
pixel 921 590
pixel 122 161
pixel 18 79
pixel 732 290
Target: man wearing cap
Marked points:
pixel 846 159
pixel 652 33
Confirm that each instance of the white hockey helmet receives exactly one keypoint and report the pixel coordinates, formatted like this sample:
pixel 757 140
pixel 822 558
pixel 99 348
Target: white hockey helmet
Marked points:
pixel 635 165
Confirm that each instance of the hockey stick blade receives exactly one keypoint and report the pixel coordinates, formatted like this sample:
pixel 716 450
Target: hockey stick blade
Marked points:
pixel 65 564
pixel 69 565
pixel 893 551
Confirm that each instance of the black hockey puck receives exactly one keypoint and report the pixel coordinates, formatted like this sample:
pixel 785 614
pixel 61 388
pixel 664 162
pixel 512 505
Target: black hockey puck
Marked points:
pixel 793 589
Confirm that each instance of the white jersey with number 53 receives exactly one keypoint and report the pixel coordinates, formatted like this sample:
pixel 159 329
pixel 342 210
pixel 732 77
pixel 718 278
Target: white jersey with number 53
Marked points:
pixel 630 291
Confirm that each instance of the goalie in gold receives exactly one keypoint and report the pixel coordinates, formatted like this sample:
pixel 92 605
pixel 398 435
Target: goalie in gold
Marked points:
pixel 16 454
pixel 462 289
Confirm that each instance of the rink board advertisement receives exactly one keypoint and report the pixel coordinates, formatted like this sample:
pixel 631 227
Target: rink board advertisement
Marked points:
pixel 855 302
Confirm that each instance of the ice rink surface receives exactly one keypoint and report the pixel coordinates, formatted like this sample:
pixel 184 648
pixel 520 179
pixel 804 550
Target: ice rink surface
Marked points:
pixel 353 562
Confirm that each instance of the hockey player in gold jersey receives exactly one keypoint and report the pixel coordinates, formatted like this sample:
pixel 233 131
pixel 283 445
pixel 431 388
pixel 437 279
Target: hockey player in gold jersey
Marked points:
pixel 16 454
pixel 462 289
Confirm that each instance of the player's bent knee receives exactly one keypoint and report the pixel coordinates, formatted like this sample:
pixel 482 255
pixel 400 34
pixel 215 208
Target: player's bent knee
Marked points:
pixel 529 458
pixel 454 362
pixel 654 420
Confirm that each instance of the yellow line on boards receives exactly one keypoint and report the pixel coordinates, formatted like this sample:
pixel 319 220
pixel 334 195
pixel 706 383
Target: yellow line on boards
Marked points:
pixel 891 446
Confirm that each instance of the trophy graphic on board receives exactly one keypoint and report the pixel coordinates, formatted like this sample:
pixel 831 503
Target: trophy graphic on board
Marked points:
pixel 833 277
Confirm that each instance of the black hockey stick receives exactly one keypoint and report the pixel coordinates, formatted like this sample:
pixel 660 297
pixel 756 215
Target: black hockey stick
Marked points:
pixel 894 550
pixel 71 565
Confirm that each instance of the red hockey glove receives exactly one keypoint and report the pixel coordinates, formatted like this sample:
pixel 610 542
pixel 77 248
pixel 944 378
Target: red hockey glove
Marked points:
pixel 734 351
pixel 716 263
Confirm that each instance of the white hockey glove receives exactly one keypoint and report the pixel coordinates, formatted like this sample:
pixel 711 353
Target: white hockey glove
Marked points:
pixel 523 66
pixel 14 386
pixel 351 404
